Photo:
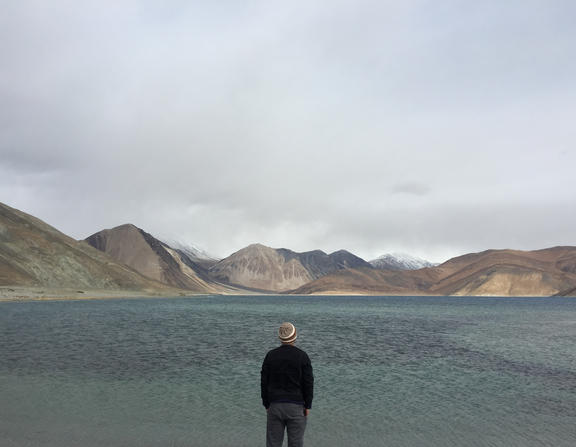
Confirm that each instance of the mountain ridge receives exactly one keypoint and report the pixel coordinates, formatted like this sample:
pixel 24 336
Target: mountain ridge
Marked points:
pixel 153 258
pixel 507 272
pixel 260 267
pixel 199 256
pixel 34 254
pixel 279 269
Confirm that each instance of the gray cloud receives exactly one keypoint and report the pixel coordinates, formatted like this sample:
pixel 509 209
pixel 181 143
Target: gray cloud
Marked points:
pixel 370 126
pixel 415 188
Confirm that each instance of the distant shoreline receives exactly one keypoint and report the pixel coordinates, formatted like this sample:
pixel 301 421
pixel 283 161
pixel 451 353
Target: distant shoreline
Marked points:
pixel 18 293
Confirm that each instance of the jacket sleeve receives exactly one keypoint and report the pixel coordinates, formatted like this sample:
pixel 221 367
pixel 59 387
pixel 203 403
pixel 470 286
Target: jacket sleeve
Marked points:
pixel 264 378
pixel 307 381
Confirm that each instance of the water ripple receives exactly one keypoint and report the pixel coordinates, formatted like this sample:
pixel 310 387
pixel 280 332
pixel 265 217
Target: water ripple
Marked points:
pixel 389 371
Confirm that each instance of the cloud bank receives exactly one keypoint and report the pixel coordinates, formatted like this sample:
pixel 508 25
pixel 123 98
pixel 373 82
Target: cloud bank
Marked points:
pixel 432 128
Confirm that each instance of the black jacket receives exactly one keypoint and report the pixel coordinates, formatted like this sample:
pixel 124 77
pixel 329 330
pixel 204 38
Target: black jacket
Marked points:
pixel 287 375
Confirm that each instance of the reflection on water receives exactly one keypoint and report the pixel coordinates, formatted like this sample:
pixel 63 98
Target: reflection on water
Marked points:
pixel 408 371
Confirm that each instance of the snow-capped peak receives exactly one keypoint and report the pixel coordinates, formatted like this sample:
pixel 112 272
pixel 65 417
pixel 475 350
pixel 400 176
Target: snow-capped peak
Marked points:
pixel 400 261
pixel 192 251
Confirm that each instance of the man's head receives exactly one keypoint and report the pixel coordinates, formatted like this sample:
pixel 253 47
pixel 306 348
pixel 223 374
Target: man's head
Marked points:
pixel 287 333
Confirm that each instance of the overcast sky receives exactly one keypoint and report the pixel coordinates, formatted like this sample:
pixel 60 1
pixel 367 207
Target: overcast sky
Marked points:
pixel 434 128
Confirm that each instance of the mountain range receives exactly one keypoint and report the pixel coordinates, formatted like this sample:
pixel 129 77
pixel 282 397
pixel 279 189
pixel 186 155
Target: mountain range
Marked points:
pixel 493 272
pixel 154 259
pixel 34 254
pixel 126 258
pixel 280 270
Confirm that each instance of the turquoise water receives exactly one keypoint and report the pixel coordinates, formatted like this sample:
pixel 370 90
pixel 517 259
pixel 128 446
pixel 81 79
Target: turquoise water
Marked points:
pixel 390 371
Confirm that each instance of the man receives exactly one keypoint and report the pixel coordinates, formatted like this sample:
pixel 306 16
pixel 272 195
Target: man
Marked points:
pixel 287 386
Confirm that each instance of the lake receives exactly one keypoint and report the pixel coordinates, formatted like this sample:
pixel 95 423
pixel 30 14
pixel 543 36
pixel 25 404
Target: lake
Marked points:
pixel 389 371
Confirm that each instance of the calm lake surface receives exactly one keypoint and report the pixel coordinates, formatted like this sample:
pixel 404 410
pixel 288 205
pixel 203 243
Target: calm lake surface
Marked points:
pixel 390 371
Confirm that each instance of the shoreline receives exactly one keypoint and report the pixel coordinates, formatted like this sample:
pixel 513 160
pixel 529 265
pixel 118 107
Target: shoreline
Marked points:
pixel 22 293
pixel 19 293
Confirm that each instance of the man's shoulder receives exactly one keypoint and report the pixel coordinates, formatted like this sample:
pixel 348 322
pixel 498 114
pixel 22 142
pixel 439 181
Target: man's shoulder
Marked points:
pixel 300 350
pixel 286 347
pixel 283 349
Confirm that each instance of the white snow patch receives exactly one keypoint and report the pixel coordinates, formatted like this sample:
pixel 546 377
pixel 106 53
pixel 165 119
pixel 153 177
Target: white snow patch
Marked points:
pixel 400 261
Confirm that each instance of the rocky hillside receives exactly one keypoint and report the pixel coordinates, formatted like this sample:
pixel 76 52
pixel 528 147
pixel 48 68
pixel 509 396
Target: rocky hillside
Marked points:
pixel 367 281
pixel 280 270
pixel 125 258
pixel 508 272
pixel 263 268
pixel 154 259
pixel 318 264
pixel 493 272
pixel 32 253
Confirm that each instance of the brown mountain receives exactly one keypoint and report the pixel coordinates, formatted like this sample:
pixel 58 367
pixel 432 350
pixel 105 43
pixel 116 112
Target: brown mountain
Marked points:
pixel 318 264
pixel 280 270
pixel 493 272
pixel 154 259
pixel 508 272
pixel 263 268
pixel 368 281
pixel 34 254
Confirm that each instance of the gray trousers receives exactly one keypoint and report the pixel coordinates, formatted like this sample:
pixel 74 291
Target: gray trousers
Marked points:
pixel 285 415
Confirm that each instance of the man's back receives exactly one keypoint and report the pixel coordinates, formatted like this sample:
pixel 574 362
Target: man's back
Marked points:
pixel 287 375
pixel 287 389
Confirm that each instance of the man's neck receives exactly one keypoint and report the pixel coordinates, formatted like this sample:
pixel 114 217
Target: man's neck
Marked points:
pixel 288 344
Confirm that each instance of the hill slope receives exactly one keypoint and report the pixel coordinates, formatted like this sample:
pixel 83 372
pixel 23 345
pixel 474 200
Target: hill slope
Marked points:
pixel 154 259
pixel 493 272
pixel 280 270
pixel 32 253
pixel 319 264
pixel 508 272
pixel 263 268
pixel 367 281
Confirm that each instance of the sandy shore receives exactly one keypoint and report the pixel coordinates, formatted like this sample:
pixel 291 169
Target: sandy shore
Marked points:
pixel 16 293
